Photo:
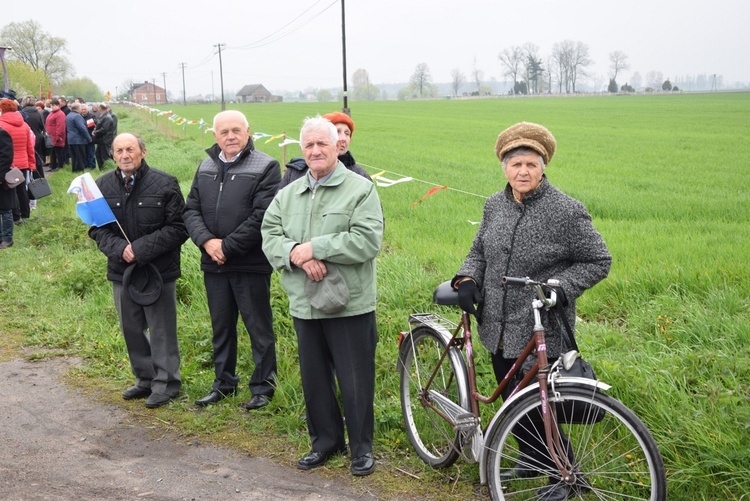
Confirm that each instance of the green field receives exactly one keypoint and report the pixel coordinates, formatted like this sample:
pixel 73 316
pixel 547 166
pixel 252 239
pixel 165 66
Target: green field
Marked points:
pixel 663 176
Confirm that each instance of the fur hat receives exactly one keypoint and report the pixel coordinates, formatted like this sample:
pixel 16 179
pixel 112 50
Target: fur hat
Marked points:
pixel 528 134
pixel 8 105
pixel 341 118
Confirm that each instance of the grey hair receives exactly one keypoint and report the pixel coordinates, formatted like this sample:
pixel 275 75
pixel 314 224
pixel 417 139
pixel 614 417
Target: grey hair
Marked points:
pixel 319 124
pixel 75 106
pixel 228 113
pixel 522 150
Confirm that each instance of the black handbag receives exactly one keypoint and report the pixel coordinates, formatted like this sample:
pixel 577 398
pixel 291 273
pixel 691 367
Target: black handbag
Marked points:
pixel 48 144
pixel 39 188
pixel 576 412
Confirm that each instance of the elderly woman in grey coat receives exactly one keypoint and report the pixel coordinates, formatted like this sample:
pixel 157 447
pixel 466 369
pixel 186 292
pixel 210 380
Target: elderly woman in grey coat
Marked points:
pixel 529 229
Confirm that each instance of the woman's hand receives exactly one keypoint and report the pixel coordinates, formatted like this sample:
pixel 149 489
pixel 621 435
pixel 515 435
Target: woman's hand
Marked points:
pixel 468 295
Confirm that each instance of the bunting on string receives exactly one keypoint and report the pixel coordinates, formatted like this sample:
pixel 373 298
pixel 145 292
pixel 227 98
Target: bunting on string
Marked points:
pixel 429 193
pixel 288 141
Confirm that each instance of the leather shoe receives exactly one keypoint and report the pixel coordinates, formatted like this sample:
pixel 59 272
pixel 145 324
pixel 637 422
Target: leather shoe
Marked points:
pixel 554 492
pixel 213 397
pixel 519 471
pixel 156 400
pixel 256 402
pixel 313 459
pixel 136 392
pixel 363 465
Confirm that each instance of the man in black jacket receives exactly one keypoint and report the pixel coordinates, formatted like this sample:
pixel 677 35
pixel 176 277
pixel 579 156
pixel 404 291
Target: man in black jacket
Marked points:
pixel 148 205
pixel 223 213
pixel 104 133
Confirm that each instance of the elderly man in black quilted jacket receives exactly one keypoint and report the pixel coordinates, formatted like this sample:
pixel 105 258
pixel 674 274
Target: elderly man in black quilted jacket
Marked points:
pixel 143 263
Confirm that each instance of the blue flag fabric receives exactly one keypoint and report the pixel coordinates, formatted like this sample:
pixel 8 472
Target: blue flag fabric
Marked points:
pixel 92 207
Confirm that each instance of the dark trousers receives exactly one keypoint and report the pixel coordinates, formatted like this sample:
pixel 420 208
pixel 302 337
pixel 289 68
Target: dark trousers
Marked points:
pixel 90 161
pixel 529 431
pixel 248 294
pixel 78 157
pixel 150 334
pixel 57 158
pixel 340 349
pixel 23 210
pixel 102 154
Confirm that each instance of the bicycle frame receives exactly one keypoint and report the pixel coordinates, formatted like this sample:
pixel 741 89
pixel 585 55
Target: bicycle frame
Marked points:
pixel 540 371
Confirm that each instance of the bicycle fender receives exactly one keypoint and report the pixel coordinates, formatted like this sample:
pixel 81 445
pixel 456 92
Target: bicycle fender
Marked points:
pixel 563 381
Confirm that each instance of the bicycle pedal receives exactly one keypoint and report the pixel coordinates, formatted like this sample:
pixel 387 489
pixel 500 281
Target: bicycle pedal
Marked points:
pixel 466 422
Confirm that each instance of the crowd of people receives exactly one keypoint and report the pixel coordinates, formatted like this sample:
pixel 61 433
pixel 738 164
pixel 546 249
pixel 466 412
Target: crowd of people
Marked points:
pixel 52 134
pixel 321 225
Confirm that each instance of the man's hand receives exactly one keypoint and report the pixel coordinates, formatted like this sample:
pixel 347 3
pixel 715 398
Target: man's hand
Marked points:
pixel 315 270
pixel 301 254
pixel 213 248
pixel 127 255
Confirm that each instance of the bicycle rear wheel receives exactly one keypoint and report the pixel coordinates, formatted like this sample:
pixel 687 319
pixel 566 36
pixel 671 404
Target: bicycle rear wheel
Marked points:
pixel 613 458
pixel 435 440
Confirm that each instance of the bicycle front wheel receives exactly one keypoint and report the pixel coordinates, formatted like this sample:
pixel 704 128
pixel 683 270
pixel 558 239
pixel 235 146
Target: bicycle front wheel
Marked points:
pixel 434 438
pixel 612 453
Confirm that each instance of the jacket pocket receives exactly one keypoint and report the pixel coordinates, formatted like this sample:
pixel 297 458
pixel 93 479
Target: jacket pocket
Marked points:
pixel 150 211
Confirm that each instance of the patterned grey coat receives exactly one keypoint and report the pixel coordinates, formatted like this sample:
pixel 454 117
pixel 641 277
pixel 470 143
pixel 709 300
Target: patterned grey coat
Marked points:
pixel 550 235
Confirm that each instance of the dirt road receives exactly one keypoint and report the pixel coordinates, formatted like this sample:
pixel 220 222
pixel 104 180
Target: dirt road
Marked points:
pixel 57 444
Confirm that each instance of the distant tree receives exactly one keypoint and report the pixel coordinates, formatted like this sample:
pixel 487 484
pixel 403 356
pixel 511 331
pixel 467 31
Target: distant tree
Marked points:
pixel 579 63
pixel 363 89
pixel 477 75
pixel 667 85
pixel 636 80
pixel 520 88
pixel 81 87
pixel 457 79
pixel 627 88
pixel 511 58
pixel 25 80
pixel 654 79
pixel 324 95
pixel 533 70
pixel 618 61
pixel 405 93
pixel 37 48
pixel 571 59
pixel 675 89
pixel 612 87
pixel 421 80
pixel 485 90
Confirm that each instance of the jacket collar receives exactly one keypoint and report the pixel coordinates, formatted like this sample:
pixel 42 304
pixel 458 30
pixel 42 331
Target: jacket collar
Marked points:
pixel 214 151
pixel 336 178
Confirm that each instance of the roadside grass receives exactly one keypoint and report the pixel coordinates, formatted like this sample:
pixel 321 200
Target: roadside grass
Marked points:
pixel 663 177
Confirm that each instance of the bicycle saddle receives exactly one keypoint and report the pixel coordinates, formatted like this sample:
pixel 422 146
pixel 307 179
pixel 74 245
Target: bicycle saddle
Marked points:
pixel 445 294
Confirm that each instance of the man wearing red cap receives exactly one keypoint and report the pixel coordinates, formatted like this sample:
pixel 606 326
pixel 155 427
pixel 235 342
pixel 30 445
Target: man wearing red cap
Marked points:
pixel 296 168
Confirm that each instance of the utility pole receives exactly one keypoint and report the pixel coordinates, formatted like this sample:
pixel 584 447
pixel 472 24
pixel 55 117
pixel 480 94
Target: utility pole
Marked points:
pixel 153 87
pixel 5 70
pixel 343 45
pixel 184 96
pixel 164 77
pixel 221 76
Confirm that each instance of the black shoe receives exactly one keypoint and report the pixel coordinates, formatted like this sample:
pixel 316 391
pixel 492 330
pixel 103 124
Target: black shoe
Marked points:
pixel 136 392
pixel 554 492
pixel 519 471
pixel 363 465
pixel 156 400
pixel 5 245
pixel 313 459
pixel 256 402
pixel 213 397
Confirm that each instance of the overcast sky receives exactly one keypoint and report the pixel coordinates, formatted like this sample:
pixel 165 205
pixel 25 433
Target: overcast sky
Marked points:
pixel 290 45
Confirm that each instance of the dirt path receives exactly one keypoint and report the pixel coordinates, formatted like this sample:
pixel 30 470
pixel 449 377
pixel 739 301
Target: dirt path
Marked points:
pixel 56 444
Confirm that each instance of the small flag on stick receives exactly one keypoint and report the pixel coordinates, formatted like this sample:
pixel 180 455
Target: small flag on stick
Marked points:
pixel 92 207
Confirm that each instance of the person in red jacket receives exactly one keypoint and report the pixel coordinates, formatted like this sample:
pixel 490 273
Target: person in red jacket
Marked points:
pixel 57 129
pixel 24 158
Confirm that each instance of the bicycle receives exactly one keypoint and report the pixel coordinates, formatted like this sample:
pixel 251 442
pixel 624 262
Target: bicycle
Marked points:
pixel 591 443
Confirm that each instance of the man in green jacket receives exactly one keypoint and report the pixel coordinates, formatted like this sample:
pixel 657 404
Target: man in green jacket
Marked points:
pixel 324 230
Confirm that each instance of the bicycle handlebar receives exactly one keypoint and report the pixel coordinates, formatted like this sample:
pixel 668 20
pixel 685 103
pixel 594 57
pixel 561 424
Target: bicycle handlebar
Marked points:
pixel 541 287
